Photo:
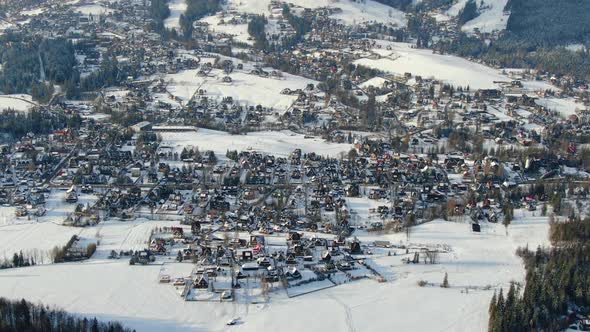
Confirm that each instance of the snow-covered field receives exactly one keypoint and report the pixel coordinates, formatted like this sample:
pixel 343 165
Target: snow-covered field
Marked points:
pixel 111 289
pixel 564 106
pixel 33 238
pixel 177 7
pixel 491 18
pixel 353 12
pixel 36 236
pixel 491 15
pixel 245 88
pixel 458 71
pixel 20 103
pixel 94 10
pixel 238 31
pixel 32 12
pixel 277 143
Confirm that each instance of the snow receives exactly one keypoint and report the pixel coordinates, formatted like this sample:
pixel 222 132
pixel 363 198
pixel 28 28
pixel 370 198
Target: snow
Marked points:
pixel 280 143
pixel 451 69
pixel 377 82
pixel 353 12
pixel 564 106
pixel 576 47
pixel 369 11
pixel 36 236
pixel 17 102
pixel 440 17
pixel 239 31
pixel 131 294
pixel 94 10
pixel 245 88
pixel 177 7
pixel 33 12
pixel 456 8
pixel 4 25
pixel 491 18
pixel 32 238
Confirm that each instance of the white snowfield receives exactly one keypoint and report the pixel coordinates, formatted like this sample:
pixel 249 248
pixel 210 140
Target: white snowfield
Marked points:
pixel 403 58
pixel 17 102
pixel 491 15
pixel 34 239
pixel 353 12
pixel 564 106
pixel 36 236
pixel 280 143
pixel 177 7
pixel 113 290
pixel 238 31
pixel 244 88
pixel 32 12
pixel 93 10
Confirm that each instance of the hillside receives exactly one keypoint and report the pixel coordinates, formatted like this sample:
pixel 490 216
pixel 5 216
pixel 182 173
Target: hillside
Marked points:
pixel 545 22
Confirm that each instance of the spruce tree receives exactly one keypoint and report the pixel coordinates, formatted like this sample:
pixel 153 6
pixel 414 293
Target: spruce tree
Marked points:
pixel 445 283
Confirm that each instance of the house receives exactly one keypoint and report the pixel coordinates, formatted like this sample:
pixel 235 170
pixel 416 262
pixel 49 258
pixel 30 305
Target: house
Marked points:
pixel 202 282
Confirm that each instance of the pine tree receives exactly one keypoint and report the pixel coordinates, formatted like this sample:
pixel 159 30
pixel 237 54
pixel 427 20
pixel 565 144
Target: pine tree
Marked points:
pixel 497 324
pixel 509 310
pixel 94 326
pixel 22 316
pixel 445 283
pixel 21 259
pixel 492 311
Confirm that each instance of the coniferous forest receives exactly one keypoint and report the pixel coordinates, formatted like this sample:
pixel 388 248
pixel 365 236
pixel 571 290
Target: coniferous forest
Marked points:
pixel 557 283
pixel 548 23
pixel 23 316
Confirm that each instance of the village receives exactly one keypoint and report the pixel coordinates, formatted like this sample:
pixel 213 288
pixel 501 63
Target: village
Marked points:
pixel 242 173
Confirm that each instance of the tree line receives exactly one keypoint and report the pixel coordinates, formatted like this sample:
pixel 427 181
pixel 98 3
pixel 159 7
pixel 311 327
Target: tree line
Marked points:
pixel 468 13
pixel 159 11
pixel 36 121
pixel 27 63
pixel 18 260
pixel 196 9
pixel 256 29
pixel 399 4
pixel 536 35
pixel 557 282
pixel 23 316
pixel 548 23
pixel 301 25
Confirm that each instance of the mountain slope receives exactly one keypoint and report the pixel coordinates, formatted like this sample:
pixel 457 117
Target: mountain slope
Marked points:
pixel 549 22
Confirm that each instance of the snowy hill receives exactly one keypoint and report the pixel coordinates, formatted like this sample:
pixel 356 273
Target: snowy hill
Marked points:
pixel 477 264
pixel 352 11
pixel 491 15
pixel 399 58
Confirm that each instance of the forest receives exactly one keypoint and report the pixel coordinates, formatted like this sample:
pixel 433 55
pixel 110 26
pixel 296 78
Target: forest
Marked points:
pixel 557 282
pixel 26 63
pixel 159 11
pixel 300 24
pixel 108 74
pixel 256 29
pixel 511 52
pixel 399 4
pixel 196 9
pixel 547 23
pixel 18 124
pixel 23 316
pixel 468 13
